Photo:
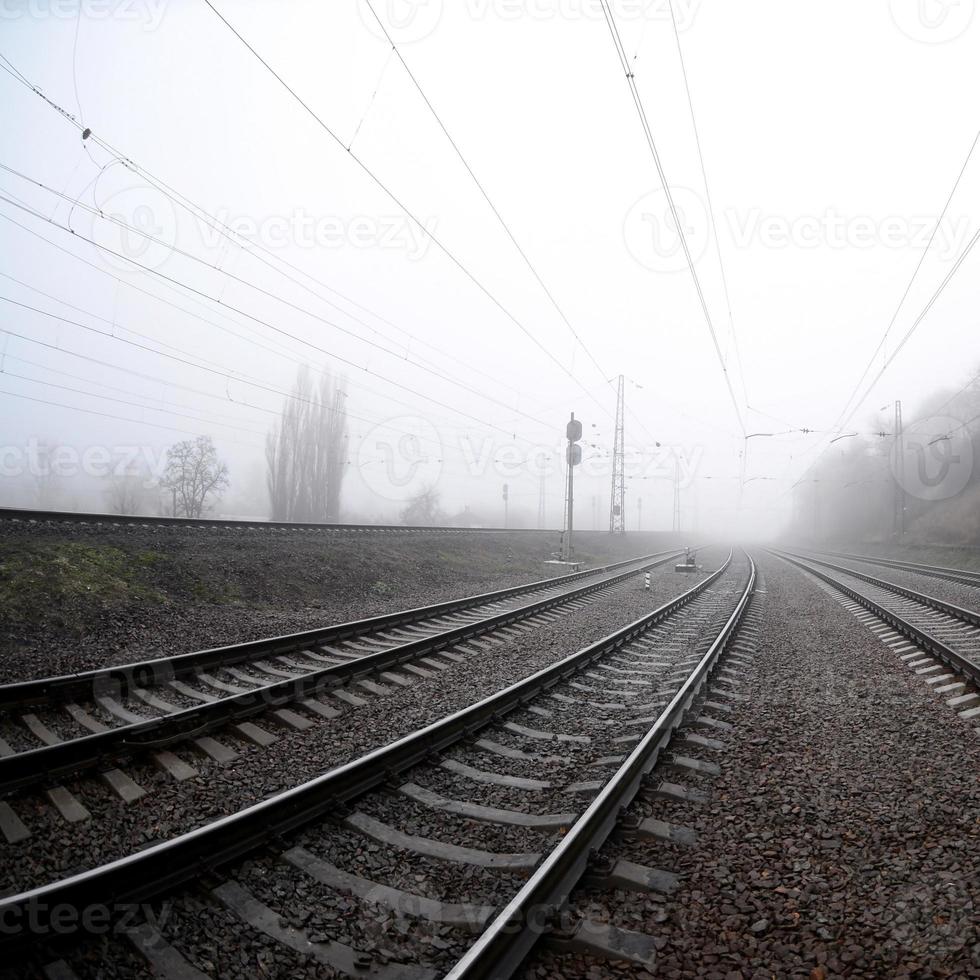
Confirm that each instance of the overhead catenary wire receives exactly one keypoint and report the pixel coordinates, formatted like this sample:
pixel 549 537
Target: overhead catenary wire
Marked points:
pixel 224 374
pixel 651 143
pixel 710 203
pixel 908 288
pixel 255 249
pixel 266 323
pixel 96 212
pixel 105 415
pixel 376 180
pixel 493 207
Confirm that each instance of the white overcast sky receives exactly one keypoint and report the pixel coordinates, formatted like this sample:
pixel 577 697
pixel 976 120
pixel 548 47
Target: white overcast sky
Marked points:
pixel 832 134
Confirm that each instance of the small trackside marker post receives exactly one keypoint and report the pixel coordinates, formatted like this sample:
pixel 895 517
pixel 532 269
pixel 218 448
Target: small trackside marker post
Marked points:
pixel 646 581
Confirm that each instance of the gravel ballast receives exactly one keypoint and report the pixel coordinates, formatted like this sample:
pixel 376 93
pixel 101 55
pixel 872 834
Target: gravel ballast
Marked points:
pixel 75 597
pixel 841 838
pixel 213 940
pixel 170 807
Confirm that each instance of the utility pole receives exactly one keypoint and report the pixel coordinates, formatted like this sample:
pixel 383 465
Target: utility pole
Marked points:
pixel 505 505
pixel 617 499
pixel 676 524
pixel 541 502
pixel 898 513
pixel 816 510
pixel 573 456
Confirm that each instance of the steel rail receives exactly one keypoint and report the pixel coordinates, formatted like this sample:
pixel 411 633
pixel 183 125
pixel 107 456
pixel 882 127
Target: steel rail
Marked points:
pixel 78 517
pixel 964 615
pixel 102 749
pixel 161 867
pixel 965 576
pixel 147 673
pixel 505 943
pixel 933 645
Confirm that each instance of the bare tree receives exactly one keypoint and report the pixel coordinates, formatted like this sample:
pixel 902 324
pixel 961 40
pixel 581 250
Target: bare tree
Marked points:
pixel 47 482
pixel 306 454
pixel 193 474
pixel 424 508
pixel 126 493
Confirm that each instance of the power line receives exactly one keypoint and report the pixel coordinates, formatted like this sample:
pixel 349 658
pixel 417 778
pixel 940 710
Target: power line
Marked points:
pixel 486 197
pixel 915 324
pixel 396 200
pixel 224 374
pixel 908 287
pixel 96 212
pixel 235 238
pixel 122 401
pixel 711 208
pixel 651 142
pixel 266 323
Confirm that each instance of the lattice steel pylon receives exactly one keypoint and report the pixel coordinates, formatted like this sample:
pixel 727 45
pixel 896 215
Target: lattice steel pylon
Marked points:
pixel 898 509
pixel 617 498
pixel 676 521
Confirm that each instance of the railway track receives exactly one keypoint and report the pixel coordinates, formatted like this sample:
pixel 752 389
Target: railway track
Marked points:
pixel 54 727
pixel 211 523
pixel 963 576
pixel 446 852
pixel 938 640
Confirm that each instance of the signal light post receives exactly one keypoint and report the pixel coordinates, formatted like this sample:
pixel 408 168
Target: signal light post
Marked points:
pixel 573 456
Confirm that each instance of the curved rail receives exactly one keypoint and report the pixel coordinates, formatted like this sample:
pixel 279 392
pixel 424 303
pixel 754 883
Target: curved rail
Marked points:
pixel 507 940
pixel 146 673
pixel 964 576
pixel 953 611
pixel 87 751
pixel 161 867
pixel 932 644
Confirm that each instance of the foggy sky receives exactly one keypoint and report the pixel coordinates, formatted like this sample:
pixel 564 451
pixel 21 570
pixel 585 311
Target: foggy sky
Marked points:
pixel 832 135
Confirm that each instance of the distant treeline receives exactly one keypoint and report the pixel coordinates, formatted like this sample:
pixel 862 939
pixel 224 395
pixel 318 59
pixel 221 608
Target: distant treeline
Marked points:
pixel 918 489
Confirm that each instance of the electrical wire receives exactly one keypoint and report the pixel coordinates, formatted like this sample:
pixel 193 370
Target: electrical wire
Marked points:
pixel 397 201
pixel 711 207
pixel 651 143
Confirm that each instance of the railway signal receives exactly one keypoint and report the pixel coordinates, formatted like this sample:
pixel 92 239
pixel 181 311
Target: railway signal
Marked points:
pixel 573 456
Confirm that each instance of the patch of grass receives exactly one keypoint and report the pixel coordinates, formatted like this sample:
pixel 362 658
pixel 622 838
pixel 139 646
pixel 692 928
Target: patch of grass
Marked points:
pixel 40 582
